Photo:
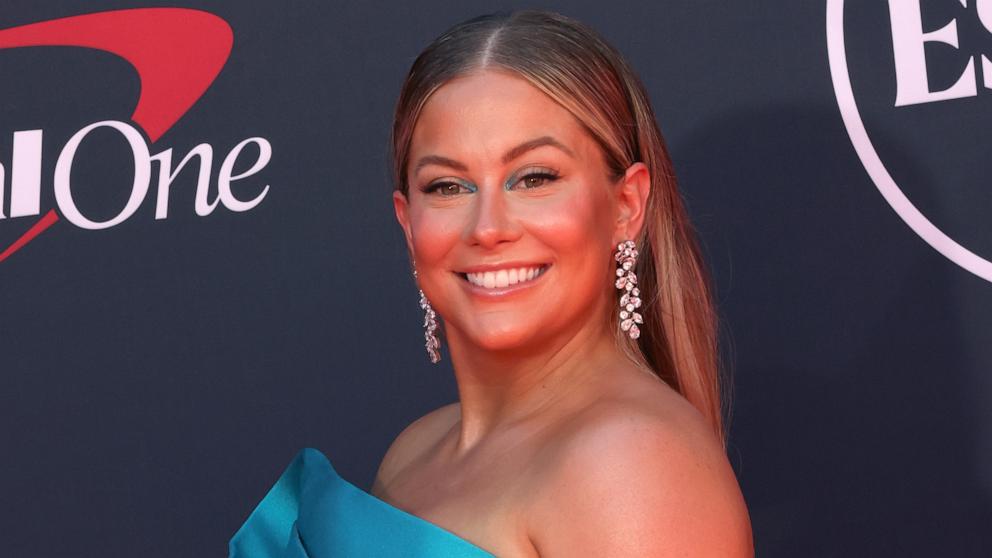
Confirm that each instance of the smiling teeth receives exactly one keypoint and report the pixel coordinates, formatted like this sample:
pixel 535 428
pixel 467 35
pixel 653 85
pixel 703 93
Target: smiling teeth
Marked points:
pixel 503 277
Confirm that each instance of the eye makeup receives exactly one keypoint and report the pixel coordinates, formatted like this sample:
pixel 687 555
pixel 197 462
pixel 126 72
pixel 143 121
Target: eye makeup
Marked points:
pixel 443 187
pixel 544 173
pixel 454 186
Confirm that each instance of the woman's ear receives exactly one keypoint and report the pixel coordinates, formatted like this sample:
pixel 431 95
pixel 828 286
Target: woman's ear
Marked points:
pixel 402 206
pixel 632 198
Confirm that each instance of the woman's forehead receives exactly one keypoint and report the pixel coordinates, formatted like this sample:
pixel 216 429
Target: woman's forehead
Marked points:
pixel 491 112
pixel 489 97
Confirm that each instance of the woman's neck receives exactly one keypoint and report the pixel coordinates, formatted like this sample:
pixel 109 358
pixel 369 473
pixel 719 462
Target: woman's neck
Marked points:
pixel 497 389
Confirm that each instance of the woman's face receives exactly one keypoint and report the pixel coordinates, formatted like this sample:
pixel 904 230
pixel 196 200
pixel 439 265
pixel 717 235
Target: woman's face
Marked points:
pixel 510 215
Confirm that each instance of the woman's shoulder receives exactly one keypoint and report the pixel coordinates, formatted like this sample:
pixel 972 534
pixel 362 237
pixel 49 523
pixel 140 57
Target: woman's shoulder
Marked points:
pixel 634 409
pixel 641 473
pixel 417 437
pixel 637 420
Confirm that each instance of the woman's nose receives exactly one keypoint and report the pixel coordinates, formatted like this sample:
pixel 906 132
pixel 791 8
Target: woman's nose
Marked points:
pixel 492 222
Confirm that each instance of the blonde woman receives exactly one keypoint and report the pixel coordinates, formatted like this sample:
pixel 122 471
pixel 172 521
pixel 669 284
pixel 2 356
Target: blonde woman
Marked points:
pixel 556 260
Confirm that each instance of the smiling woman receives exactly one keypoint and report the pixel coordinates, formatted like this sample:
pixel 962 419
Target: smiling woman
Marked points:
pixel 532 183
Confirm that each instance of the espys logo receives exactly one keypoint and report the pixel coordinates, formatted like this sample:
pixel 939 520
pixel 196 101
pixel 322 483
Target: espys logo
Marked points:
pixel 177 53
pixel 935 74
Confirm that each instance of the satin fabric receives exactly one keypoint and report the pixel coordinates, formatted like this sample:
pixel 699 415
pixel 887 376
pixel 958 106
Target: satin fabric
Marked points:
pixel 311 512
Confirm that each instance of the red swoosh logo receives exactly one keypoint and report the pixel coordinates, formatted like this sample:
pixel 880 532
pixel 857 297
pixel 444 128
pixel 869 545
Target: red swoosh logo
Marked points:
pixel 176 52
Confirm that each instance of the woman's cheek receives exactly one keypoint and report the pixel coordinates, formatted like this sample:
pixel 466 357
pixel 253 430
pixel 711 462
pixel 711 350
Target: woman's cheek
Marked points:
pixel 565 221
pixel 435 232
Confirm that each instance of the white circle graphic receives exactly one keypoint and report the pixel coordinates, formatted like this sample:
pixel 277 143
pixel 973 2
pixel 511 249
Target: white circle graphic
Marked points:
pixel 922 226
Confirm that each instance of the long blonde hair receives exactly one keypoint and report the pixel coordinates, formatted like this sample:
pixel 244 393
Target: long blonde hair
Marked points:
pixel 576 67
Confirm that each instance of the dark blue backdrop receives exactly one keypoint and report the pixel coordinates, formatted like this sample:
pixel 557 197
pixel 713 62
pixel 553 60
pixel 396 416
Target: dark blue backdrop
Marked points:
pixel 158 375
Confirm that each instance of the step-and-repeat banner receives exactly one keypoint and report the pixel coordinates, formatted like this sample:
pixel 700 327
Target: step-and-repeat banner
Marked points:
pixel 200 272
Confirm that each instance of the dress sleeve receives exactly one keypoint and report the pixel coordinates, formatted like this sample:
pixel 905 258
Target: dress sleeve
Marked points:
pixel 270 530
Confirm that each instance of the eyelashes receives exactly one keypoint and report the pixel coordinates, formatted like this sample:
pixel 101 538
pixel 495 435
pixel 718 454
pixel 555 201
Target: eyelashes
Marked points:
pixel 531 179
pixel 544 177
pixel 448 188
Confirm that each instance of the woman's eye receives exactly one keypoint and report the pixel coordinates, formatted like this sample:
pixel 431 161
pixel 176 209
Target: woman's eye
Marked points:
pixel 536 179
pixel 446 188
pixel 527 182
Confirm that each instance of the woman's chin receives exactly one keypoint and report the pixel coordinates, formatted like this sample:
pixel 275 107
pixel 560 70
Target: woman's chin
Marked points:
pixel 503 337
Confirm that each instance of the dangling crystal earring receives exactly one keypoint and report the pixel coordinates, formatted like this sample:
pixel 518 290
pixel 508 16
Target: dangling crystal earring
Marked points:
pixel 430 326
pixel 630 300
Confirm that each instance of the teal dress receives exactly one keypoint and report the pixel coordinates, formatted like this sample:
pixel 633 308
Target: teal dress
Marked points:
pixel 311 512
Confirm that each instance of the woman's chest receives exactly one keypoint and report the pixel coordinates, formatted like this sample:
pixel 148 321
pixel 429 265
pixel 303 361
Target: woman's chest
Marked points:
pixel 485 502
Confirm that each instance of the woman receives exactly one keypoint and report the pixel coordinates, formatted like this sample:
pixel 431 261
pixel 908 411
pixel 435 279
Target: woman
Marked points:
pixel 545 227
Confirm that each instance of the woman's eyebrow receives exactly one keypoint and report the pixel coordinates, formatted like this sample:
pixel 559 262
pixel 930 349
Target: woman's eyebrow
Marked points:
pixel 534 144
pixel 507 157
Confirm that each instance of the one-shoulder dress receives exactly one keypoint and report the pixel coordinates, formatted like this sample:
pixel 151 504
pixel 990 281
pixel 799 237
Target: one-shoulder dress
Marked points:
pixel 312 512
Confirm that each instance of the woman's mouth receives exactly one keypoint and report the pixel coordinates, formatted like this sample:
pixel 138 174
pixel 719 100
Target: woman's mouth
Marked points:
pixel 502 278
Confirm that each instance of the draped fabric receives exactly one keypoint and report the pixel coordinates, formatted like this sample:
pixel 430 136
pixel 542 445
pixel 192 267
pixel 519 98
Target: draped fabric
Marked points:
pixel 311 512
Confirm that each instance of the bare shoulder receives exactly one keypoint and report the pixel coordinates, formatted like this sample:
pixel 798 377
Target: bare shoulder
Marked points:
pixel 413 440
pixel 641 473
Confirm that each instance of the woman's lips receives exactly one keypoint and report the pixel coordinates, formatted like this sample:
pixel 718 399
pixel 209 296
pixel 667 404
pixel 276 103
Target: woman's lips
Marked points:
pixel 498 281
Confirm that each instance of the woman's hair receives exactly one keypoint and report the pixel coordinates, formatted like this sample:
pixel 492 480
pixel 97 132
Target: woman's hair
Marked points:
pixel 577 68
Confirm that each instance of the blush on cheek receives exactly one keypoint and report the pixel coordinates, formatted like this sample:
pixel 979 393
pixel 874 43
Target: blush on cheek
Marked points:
pixel 578 230
pixel 578 221
pixel 434 233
